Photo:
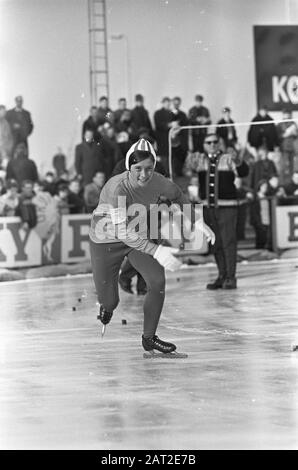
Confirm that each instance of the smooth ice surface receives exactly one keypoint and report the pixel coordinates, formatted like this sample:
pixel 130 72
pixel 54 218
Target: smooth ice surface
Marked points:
pixel 63 387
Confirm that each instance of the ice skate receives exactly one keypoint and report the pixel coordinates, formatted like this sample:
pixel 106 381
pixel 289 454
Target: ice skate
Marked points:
pixel 156 348
pixel 105 317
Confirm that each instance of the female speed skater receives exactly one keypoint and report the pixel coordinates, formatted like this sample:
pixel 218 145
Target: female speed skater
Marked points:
pixel 112 237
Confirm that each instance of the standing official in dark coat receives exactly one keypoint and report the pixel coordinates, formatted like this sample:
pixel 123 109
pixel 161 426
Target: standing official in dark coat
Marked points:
pixel 228 133
pixel 199 115
pixel 88 158
pixel 263 135
pixel 218 194
pixel 20 167
pixel 163 119
pixel 91 123
pixel 20 122
pixel 140 119
pixel 179 140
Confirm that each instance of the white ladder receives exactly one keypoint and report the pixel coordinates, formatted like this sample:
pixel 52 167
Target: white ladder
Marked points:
pixel 98 50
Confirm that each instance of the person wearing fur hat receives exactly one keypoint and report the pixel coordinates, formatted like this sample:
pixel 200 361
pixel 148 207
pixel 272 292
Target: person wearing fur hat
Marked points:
pixel 113 236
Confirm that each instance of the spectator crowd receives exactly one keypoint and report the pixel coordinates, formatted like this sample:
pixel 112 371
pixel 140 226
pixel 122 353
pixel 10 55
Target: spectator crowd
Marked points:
pixel 271 152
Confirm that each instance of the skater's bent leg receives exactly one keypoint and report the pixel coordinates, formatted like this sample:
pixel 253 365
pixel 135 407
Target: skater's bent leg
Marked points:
pixel 127 270
pixel 106 259
pixel 154 276
pixel 141 284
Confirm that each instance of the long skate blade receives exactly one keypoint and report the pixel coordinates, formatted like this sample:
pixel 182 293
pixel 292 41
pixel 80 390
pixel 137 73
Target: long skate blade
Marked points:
pixel 103 330
pixel 160 355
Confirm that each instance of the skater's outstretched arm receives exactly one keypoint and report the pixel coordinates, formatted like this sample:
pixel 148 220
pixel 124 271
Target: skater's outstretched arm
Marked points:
pixel 192 218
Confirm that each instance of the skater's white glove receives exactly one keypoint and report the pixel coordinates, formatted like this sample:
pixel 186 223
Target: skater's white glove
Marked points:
pixel 206 230
pixel 165 256
pixel 118 215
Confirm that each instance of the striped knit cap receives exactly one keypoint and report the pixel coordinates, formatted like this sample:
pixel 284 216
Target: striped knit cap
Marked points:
pixel 142 145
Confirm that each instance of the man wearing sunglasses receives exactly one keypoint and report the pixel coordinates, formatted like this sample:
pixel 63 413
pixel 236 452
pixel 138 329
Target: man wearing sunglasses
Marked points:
pixel 216 172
